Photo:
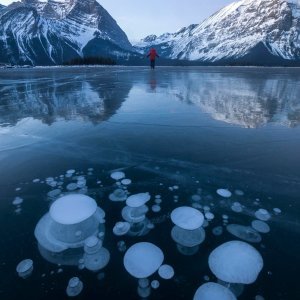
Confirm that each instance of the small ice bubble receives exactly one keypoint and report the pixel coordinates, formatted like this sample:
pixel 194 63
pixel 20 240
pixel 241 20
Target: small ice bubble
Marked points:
pixel 121 228
pixel 237 207
pixel 155 284
pixel 25 268
pixel 157 196
pixel 54 193
pixel 72 187
pixel 117 175
pixel 206 278
pixel 156 208
pixel 143 283
pixel 18 189
pixel 166 272
pixel 260 226
pixel 217 231
pixel 158 201
pixel 36 180
pixel 75 287
pixel 122 246
pixel 71 172
pixel 126 181
pixel 17 201
pixel 225 217
pixel 239 193
pixel 175 187
pixel 209 216
pixel 224 193
pixel 206 208
pixel 259 297
pixel 277 210
pixel 262 214
pixel 90 169
pixel 196 198
pixel 59 271
pixel 245 233
pixel 187 218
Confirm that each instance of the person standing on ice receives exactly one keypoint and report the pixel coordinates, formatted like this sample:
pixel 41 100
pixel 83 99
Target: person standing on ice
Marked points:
pixel 152 55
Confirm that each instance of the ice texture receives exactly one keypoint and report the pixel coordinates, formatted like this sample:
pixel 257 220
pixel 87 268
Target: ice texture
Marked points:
pixel 236 262
pixel 143 259
pixel 187 218
pixel 213 291
pixel 72 209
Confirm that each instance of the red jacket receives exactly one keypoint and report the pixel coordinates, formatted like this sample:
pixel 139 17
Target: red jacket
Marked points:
pixel 152 54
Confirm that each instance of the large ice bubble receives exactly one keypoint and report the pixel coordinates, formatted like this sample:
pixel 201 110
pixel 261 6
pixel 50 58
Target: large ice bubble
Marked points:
pixel 236 262
pixel 213 291
pixel 187 218
pixel 143 259
pixel 72 209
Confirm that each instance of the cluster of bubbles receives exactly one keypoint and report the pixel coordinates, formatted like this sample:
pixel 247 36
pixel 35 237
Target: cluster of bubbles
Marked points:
pixel 72 233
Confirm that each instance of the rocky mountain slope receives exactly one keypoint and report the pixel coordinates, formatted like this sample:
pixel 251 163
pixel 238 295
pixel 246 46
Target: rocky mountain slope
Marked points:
pixel 247 31
pixel 46 32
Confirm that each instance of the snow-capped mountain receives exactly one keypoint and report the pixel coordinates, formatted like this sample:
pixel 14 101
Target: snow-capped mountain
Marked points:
pixel 256 31
pixel 54 31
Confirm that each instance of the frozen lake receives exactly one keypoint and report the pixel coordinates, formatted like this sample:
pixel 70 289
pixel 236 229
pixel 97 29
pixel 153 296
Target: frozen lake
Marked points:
pixel 181 133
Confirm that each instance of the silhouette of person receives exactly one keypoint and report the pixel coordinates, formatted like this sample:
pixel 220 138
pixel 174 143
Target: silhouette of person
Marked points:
pixel 152 55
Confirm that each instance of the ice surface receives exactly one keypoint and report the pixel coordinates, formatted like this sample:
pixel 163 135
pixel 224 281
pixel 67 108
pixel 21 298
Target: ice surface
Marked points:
pixel 143 259
pixel 213 291
pixel 72 209
pixel 245 233
pixel 166 272
pixel 187 218
pixel 138 200
pixel 236 262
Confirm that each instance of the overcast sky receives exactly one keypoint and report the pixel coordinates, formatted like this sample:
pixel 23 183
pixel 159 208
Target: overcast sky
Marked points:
pixel 140 18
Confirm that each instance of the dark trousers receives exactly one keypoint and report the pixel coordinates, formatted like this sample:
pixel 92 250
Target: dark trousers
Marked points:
pixel 152 64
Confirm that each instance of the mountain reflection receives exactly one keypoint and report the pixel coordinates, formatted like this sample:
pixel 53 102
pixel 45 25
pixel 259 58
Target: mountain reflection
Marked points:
pixel 61 96
pixel 245 99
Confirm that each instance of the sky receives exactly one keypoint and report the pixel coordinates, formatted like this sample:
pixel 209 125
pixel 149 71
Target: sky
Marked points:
pixel 140 18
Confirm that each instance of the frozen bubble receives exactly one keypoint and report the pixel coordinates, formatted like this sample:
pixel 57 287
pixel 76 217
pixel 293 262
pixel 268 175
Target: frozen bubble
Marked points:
pixel 18 210
pixel 71 172
pixel 121 228
pixel 209 216
pixel 36 180
pixel 187 218
pixel 54 193
pixel 126 181
pixel 101 276
pixel 245 233
pixel 175 187
pixel 144 293
pixel 166 272
pixel 196 205
pixel 72 209
pixel 277 210
pixel 213 291
pixel 75 287
pixel 143 259
pixel 224 193
pixel 259 297
pixel 117 175
pixel 92 245
pixel 239 193
pixel 138 200
pixel 236 262
pixel 206 208
pixel 262 214
pixel 143 283
pixel 157 196
pixel 17 201
pixel 196 198
pixel 188 238
pixel 156 208
pixel 90 169
pixel 155 284
pixel 18 189
pixel 60 271
pixel 206 278
pixel 260 226
pixel 134 215
pixel 122 246
pixel 158 201
pixel 98 260
pixel 205 224
pixel 237 207
pixel 72 186
pixel 225 217
pixel 25 268
pixel 217 231
pixel 118 195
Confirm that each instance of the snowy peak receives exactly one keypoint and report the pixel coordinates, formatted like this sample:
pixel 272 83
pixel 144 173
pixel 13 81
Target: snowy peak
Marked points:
pixel 247 31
